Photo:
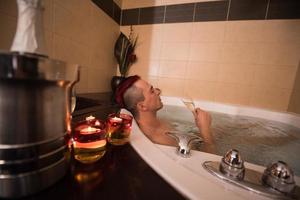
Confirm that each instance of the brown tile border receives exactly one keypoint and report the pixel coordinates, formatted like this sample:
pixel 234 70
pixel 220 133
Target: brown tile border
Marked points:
pixel 225 10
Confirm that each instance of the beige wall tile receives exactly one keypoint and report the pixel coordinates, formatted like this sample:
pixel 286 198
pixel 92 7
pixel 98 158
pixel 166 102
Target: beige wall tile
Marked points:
pixel 239 74
pixel 177 32
pixel 149 40
pixel 200 90
pixel 48 15
pixel 152 80
pixel 82 32
pixel 67 4
pixel 244 31
pixel 8 27
pixel 63 21
pixel 208 52
pixel 148 50
pixel 172 69
pixel 279 54
pixel 82 86
pixel 127 4
pixel 126 29
pixel 208 32
pixel 202 71
pixel 171 86
pixel 281 31
pixel 174 51
pixel 67 50
pixel 9 7
pixel 98 80
pixel 145 68
pixel 147 33
pixel 232 93
pixel 274 76
pixel 244 53
pixel 63 48
pixel 294 105
pixel 81 54
pixel 271 98
pixel 49 43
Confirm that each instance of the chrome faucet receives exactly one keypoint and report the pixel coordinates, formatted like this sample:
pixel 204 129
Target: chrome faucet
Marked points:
pixel 185 142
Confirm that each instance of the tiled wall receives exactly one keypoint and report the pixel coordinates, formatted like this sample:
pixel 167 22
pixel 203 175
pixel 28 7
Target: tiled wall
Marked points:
pixel 294 105
pixel 76 31
pixel 246 62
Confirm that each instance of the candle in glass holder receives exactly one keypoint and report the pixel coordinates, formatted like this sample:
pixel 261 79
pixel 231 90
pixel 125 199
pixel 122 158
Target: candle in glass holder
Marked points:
pixel 118 128
pixel 89 141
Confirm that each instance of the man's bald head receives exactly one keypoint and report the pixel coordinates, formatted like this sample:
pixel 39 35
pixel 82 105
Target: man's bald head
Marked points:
pixel 132 97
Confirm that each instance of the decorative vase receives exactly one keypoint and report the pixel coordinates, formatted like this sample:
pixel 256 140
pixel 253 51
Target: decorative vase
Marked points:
pixel 115 81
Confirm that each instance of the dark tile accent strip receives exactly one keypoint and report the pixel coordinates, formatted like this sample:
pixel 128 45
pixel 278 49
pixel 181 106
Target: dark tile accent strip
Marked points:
pixel 211 11
pixel 180 13
pixel 110 8
pixel 203 11
pixel 247 9
pixel 117 13
pixel 152 15
pixel 130 16
pixel 284 9
pixel 106 6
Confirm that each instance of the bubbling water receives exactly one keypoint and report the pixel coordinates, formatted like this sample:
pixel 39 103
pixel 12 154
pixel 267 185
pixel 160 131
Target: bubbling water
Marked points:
pixel 260 141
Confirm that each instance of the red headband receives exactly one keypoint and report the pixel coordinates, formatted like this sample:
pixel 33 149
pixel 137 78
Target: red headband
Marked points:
pixel 122 88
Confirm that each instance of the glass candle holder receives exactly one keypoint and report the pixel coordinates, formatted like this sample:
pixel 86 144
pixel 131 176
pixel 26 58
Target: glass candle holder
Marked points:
pixel 89 140
pixel 118 128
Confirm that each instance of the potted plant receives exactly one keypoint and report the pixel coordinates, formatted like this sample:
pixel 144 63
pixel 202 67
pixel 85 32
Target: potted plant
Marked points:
pixel 124 54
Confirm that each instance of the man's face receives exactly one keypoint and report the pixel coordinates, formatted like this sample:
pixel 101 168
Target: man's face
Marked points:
pixel 152 100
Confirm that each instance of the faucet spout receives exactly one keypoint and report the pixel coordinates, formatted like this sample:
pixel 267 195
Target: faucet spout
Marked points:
pixel 185 142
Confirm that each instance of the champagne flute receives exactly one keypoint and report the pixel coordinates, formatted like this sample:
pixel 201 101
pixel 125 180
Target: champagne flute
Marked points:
pixel 188 102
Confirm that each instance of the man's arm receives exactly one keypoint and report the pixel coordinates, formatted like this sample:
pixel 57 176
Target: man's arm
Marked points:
pixel 203 122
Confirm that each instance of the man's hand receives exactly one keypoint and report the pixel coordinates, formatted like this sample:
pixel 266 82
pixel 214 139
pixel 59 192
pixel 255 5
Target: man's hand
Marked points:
pixel 203 122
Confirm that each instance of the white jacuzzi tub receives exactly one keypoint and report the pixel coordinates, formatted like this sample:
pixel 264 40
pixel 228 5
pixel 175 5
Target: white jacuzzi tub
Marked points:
pixel 187 174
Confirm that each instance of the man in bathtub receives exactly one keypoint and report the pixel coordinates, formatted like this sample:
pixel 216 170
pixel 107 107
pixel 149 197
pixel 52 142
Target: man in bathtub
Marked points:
pixel 143 101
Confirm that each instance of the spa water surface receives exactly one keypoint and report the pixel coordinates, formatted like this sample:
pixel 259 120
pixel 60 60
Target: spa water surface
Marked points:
pixel 259 141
